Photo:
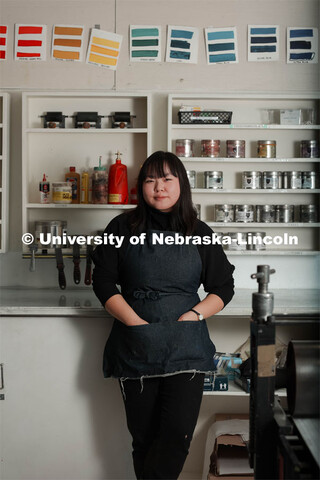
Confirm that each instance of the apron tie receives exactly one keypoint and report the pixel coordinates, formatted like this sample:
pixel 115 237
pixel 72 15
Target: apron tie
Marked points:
pixel 155 294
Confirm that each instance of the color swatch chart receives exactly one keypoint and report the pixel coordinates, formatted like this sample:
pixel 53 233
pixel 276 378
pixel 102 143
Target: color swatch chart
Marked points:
pixel 145 42
pixel 30 42
pixel 67 42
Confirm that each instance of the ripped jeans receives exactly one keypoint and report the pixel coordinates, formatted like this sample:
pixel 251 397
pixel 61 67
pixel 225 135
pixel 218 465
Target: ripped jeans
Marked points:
pixel 161 418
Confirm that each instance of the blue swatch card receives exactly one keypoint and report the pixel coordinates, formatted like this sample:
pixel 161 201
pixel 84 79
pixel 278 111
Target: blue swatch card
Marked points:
pixel 263 43
pixel 221 45
pixel 302 45
pixel 145 43
pixel 182 44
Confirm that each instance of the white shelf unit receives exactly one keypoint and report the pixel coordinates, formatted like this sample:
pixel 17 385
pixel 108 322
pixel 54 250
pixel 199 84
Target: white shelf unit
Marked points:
pixel 4 171
pixel 247 124
pixel 53 151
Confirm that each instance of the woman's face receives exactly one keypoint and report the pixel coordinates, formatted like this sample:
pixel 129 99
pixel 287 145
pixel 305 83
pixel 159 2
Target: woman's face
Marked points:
pixel 162 193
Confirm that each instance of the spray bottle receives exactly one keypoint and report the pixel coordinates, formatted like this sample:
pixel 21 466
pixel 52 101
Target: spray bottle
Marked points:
pixel 44 188
pixel 118 182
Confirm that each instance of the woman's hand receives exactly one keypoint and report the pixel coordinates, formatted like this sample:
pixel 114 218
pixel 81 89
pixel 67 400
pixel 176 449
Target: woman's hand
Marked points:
pixel 138 322
pixel 189 316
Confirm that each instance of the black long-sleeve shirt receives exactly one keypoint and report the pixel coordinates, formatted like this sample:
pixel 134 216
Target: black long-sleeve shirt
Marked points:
pixel 216 275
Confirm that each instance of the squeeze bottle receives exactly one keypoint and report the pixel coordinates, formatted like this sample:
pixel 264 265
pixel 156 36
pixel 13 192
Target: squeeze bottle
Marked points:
pixel 118 183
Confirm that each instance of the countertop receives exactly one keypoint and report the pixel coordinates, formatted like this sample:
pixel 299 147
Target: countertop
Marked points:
pixel 81 301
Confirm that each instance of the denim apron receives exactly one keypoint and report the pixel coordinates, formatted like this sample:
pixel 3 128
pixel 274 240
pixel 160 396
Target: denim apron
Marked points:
pixel 160 283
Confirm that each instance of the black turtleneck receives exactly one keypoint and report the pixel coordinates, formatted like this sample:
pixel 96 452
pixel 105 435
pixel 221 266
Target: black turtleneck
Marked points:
pixel 216 274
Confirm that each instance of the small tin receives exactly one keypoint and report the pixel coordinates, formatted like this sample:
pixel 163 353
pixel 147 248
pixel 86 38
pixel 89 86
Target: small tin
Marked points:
pixel 210 148
pixel 255 240
pixel 191 174
pixel 309 180
pixel 251 180
pixel 309 149
pixel 184 147
pixel 244 213
pixel 291 180
pixel 265 213
pixel 272 180
pixel 308 213
pixel 238 241
pixel 224 213
pixel 236 148
pixel 267 148
pixel 284 213
pixel 197 206
pixel 213 180
pixel 62 192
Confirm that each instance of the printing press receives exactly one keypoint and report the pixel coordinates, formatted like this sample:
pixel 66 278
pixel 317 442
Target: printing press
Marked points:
pixel 284 442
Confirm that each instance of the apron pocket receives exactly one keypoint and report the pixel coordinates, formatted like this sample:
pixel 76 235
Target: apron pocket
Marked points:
pixel 191 341
pixel 146 344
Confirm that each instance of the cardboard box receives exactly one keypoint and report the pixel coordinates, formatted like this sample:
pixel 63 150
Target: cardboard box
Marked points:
pixel 229 458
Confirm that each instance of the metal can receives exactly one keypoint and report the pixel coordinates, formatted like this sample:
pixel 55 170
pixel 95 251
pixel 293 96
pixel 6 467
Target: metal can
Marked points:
pixel 238 241
pixel 267 148
pixel 284 213
pixel 272 180
pixel 308 213
pixel 213 179
pixel 236 148
pixel 251 180
pixel 184 147
pixel 197 206
pixel 244 213
pixel 55 228
pixel 62 192
pixel 255 240
pixel 309 149
pixel 191 174
pixel 309 180
pixel 224 213
pixel 210 148
pixel 265 213
pixel 291 180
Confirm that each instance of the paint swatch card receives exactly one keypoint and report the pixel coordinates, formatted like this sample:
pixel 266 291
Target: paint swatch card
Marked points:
pixel 104 48
pixel 3 41
pixel 302 45
pixel 67 42
pixel 145 43
pixel 30 42
pixel 221 45
pixel 263 43
pixel 182 44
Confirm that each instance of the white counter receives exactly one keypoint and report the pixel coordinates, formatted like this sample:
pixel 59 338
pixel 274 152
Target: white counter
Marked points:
pixel 81 301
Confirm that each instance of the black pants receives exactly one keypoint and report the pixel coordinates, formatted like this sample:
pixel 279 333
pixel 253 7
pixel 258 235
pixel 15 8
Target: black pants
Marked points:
pixel 161 419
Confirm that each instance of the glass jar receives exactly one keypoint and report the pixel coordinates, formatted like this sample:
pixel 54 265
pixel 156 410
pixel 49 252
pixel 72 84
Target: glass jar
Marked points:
pixel 255 240
pixel 237 241
pixel 99 185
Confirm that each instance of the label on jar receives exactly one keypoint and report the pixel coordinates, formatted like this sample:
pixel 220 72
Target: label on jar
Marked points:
pixel 244 216
pixel 295 182
pixel 61 197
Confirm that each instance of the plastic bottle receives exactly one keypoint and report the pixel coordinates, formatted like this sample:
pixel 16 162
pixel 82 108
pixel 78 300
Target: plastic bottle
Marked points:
pixel 44 188
pixel 74 177
pixel 99 184
pixel 84 197
pixel 118 182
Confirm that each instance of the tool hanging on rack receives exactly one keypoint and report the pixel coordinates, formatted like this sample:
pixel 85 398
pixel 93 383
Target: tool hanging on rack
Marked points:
pixel 60 267
pixel 76 263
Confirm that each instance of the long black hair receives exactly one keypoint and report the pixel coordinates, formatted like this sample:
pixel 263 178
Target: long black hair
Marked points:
pixel 183 215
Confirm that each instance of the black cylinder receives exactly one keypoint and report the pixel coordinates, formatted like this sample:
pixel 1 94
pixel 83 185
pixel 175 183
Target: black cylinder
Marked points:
pixel 303 364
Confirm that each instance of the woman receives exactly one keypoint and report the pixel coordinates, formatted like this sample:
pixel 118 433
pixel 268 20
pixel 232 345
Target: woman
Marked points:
pixel 159 346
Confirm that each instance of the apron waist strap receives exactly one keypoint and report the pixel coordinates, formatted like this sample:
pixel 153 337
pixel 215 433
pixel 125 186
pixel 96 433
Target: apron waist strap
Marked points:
pixel 155 294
